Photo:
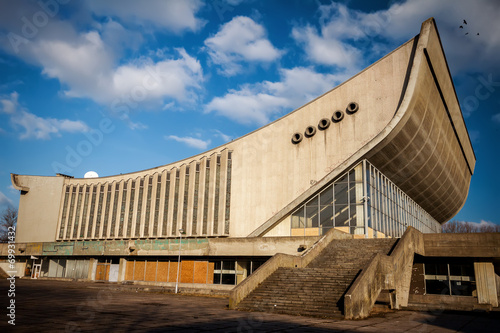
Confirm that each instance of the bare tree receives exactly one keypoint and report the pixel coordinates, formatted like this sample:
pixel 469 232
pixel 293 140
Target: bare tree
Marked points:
pixel 8 221
pixel 468 227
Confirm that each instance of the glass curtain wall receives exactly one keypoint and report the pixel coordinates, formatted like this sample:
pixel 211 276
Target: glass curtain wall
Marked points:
pixel 361 202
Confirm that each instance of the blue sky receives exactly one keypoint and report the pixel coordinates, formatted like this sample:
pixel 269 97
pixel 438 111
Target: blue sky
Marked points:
pixel 120 86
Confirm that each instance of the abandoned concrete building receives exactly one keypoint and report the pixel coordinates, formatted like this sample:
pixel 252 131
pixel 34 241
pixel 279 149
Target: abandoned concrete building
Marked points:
pixel 338 203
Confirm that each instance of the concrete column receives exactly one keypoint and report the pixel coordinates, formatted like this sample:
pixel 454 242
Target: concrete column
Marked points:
pixel 486 283
pixel 122 269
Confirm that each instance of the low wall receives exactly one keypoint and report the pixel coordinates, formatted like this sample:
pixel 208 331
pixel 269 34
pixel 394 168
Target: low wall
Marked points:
pixel 384 272
pixel 462 245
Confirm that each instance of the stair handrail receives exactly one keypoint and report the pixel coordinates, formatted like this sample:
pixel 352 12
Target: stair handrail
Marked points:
pixel 385 273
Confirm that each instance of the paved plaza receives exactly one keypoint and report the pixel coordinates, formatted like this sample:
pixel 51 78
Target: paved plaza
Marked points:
pixel 56 306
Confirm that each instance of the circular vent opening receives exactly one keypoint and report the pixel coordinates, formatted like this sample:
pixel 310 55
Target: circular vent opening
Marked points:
pixel 310 131
pixel 296 138
pixel 337 116
pixel 323 124
pixel 352 107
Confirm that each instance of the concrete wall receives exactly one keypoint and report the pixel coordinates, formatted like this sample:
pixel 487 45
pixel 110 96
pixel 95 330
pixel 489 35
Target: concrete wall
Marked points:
pixel 38 207
pixel 462 245
pixel 255 246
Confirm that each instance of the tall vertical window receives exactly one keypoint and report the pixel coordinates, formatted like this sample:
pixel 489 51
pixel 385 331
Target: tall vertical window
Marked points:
pixel 99 212
pixel 194 224
pixel 216 198
pixel 91 213
pixel 165 207
pixel 185 201
pixel 205 201
pixel 85 211
pixel 122 210
pixel 157 206
pixel 228 194
pixel 176 203
pixel 131 209
pixel 106 213
pixel 148 206
pixel 64 209
pixel 139 209
pixel 71 212
pixel 114 212
pixel 77 214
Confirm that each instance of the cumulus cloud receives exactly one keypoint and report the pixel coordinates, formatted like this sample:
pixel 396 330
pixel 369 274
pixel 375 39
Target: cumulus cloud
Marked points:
pixel 190 141
pixel 344 34
pixel 34 126
pixel 90 64
pixel 240 40
pixel 174 15
pixel 259 103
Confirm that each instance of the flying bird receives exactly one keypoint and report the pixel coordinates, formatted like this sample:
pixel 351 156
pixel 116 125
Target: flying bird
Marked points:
pixel 466 33
pixel 465 22
pixel 461 27
pixel 478 33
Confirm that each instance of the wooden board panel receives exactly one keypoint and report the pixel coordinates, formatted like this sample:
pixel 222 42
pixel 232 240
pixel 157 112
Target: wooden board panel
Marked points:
pixel 172 274
pixel 162 275
pixel 150 271
pixel 139 270
pixel 187 271
pixel 129 271
pixel 210 275
pixel 200 271
pixel 100 273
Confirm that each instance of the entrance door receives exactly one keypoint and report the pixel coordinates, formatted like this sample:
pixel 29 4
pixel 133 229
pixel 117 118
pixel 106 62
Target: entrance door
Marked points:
pixel 102 272
pixel 35 273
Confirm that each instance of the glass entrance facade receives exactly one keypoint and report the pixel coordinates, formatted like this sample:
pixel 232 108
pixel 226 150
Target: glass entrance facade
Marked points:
pixel 363 202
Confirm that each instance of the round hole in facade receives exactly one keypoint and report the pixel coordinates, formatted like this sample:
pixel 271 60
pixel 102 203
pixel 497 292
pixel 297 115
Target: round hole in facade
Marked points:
pixel 337 116
pixel 310 131
pixel 296 138
pixel 324 124
pixel 352 107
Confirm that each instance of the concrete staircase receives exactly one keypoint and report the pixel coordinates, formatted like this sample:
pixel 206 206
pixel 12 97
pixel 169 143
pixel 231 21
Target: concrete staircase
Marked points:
pixel 316 290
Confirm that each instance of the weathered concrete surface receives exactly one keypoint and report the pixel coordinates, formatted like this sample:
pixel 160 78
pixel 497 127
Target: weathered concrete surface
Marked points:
pixel 50 306
pixel 254 246
pixel 384 272
pixel 485 245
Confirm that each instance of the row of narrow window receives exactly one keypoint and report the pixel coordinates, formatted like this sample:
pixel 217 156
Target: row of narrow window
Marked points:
pixel 113 211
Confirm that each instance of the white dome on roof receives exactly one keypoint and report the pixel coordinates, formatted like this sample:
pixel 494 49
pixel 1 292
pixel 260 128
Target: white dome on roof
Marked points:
pixel 91 174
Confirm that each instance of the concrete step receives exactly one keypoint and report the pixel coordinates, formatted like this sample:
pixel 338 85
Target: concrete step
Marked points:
pixel 316 290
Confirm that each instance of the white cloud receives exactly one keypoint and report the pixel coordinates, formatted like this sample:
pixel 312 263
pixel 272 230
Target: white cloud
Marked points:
pixel 224 137
pixel 348 36
pixel 90 64
pixel 259 103
pixel 190 141
pixel 239 40
pixel 34 126
pixel 174 15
